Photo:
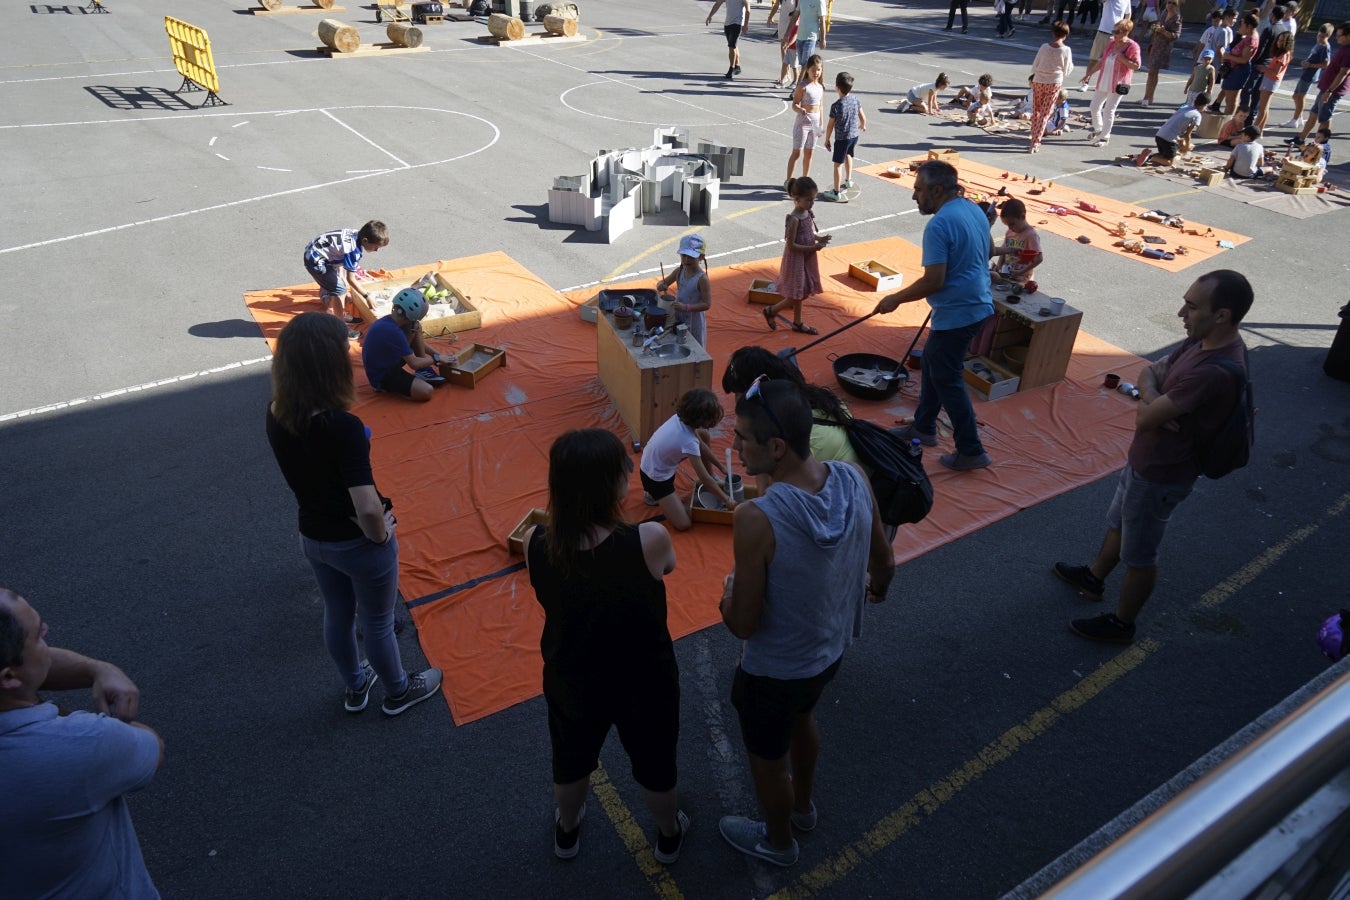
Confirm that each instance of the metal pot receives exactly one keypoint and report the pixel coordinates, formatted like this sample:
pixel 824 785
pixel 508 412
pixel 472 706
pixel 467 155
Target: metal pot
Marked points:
pixel 893 374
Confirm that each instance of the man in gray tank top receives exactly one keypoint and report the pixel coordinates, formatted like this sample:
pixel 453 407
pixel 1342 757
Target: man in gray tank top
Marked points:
pixel 808 555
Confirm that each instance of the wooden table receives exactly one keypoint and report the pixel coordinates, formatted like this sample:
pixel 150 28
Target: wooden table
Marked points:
pixel 644 388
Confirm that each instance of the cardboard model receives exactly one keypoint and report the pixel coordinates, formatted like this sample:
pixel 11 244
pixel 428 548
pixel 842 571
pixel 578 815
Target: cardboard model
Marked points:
pixel 622 185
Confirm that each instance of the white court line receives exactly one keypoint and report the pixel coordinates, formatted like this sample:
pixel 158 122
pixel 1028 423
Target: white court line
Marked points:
pixel 366 139
pixel 272 169
pixel 213 140
pixel 496 136
pixel 223 156
pixel 134 389
pixel 237 124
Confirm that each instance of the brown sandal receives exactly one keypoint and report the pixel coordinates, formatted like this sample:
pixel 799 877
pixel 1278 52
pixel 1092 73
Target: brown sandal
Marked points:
pixel 769 317
pixel 803 328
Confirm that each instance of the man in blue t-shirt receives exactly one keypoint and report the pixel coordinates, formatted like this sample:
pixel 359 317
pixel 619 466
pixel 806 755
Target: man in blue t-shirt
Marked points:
pixel 66 831
pixel 396 340
pixel 955 281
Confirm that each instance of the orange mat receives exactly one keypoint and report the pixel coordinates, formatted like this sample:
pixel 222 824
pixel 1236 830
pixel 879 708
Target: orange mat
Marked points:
pixel 464 469
pixel 1200 241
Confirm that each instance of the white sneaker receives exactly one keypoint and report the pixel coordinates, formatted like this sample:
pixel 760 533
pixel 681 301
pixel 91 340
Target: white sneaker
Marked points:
pixel 1292 123
pixel 1144 103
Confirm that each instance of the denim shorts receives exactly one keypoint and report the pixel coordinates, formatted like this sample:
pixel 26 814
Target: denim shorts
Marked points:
pixel 1325 110
pixel 332 282
pixel 1305 81
pixel 1140 511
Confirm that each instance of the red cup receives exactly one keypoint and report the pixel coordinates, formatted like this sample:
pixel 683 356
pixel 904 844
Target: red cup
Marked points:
pixel 1112 382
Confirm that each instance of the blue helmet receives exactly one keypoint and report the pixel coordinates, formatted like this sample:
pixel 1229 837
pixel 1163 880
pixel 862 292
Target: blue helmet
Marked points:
pixel 411 303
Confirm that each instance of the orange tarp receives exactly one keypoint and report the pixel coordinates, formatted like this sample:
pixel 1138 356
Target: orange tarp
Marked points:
pixel 1201 242
pixel 465 468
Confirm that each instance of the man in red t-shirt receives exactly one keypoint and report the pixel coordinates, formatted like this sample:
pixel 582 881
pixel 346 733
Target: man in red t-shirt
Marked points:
pixel 1183 401
pixel 1332 86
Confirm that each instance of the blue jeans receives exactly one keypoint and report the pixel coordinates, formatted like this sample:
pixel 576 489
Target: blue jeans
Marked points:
pixel 359 578
pixel 944 385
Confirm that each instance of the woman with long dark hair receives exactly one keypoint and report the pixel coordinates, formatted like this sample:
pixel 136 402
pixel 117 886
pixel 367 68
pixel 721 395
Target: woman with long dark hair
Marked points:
pixel 608 657
pixel 346 526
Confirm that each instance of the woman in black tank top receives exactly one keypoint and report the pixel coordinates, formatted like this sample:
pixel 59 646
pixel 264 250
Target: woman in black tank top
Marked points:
pixel 608 656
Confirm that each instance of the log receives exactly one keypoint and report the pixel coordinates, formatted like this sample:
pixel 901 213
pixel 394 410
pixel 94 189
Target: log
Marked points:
pixel 506 28
pixel 560 25
pixel 404 35
pixel 338 37
pixel 269 4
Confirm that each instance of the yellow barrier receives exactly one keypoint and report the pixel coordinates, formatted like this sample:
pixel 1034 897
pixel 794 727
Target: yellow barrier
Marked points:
pixel 191 50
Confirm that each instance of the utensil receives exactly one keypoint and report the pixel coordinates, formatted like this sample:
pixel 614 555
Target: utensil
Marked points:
pixel 729 473
pixel 790 352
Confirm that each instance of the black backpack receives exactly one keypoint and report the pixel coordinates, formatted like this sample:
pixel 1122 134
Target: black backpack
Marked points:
pixel 1231 446
pixel 904 493
pixel 480 8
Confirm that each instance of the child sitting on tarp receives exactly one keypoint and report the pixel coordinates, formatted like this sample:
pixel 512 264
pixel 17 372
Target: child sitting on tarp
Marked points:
pixel 395 341
pixel 1230 132
pixel 978 101
pixel 683 436
pixel 1020 253
pixel 1247 156
pixel 693 292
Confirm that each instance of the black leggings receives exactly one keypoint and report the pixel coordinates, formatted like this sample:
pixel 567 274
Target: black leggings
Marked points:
pixel 951 14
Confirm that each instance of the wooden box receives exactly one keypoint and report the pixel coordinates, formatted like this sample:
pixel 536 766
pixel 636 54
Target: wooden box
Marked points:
pixel 761 291
pixel 1048 337
pixel 444 326
pixel 948 156
pixel 1210 177
pixel 1210 123
pixel 516 539
pixel 990 390
pixel 719 516
pixel 470 365
pixel 877 276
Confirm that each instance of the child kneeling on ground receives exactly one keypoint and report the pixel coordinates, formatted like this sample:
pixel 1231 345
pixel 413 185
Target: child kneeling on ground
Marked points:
pixel 1177 130
pixel 682 436
pixel 923 98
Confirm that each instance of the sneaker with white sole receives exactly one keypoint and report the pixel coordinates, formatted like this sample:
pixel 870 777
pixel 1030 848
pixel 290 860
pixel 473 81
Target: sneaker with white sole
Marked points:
pixel 667 849
pixel 567 843
pixel 846 185
pixel 904 105
pixel 430 376
pixel 422 686
pixel 830 196
pixel 1292 123
pixel 752 839
pixel 356 700
pixel 805 821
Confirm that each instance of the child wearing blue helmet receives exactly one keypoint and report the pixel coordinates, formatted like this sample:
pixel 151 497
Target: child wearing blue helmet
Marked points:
pixel 396 341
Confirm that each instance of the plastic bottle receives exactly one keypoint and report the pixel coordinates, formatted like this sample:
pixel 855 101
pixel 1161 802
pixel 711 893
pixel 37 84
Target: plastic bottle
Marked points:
pixel 915 448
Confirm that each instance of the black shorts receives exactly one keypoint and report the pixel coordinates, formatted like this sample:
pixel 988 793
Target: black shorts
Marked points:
pixel 398 381
pixel 733 33
pixel 844 149
pixel 649 729
pixel 657 489
pixel 1166 149
pixel 769 708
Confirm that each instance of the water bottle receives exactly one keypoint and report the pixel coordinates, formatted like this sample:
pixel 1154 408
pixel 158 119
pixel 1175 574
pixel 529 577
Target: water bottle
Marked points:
pixel 915 449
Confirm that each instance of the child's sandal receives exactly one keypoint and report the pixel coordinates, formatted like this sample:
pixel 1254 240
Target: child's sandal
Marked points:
pixel 769 317
pixel 803 328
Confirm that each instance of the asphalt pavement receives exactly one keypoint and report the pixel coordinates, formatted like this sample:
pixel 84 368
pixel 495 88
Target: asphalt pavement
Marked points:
pixel 969 738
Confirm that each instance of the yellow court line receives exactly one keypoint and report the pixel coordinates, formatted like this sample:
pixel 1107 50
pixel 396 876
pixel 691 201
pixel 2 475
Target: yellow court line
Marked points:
pixel 1164 196
pixel 627 265
pixel 1248 573
pixel 930 799
pixel 633 838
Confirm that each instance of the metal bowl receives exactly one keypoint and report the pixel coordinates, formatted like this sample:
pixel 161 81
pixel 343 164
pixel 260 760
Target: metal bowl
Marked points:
pixel 891 373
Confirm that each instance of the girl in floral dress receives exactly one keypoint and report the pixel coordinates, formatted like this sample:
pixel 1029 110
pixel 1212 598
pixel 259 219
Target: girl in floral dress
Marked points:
pixel 799 272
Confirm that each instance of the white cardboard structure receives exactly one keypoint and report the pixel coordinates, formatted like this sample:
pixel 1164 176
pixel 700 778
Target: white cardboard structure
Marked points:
pixel 624 184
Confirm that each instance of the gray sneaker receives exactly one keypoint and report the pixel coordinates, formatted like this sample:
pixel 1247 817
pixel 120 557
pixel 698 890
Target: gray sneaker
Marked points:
pixel 422 686
pixel 909 433
pixel 960 462
pixel 356 701
pixel 752 839
pixel 566 844
pixel 805 821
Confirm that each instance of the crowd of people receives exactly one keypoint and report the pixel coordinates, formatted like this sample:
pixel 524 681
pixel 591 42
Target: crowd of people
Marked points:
pixel 810 551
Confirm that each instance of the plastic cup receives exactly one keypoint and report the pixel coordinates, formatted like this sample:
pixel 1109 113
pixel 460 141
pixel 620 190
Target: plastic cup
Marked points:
pixel 1112 382
pixel 1056 306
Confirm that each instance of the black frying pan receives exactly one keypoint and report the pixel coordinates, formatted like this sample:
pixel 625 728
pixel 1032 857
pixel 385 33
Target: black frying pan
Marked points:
pixel 894 370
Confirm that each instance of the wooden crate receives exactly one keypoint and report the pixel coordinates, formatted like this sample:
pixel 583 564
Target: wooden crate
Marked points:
pixel 516 539
pixel 1049 338
pixel 877 276
pixel 444 326
pixel 761 291
pixel 645 390
pixel 719 516
pixel 991 390
pixel 1210 177
pixel 948 156
pixel 470 365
